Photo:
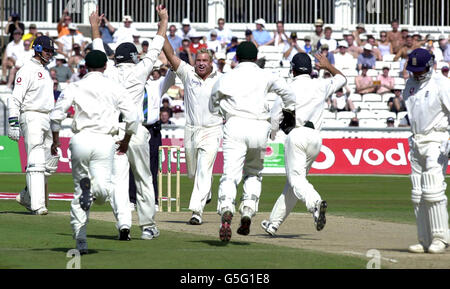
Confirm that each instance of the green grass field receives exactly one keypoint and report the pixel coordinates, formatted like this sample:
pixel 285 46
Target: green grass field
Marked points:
pixel 42 241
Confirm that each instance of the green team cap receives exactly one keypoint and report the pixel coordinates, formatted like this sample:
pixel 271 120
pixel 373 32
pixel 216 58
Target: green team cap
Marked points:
pixel 96 59
pixel 246 50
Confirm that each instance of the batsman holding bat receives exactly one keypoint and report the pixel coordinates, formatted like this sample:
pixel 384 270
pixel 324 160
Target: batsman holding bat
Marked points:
pixel 31 102
pixel 427 100
pixel 303 141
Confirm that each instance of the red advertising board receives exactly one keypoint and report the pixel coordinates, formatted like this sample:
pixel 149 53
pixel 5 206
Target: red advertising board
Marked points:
pixel 337 156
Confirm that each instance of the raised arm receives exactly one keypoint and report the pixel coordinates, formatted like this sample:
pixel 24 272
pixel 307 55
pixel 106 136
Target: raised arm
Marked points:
pixel 170 54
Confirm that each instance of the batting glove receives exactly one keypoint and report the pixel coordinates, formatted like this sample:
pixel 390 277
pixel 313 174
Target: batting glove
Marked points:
pixel 14 129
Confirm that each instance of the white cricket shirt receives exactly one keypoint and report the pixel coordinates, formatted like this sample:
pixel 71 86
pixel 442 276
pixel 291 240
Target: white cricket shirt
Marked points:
pixel 428 104
pixel 197 94
pixel 97 102
pixel 33 90
pixel 243 92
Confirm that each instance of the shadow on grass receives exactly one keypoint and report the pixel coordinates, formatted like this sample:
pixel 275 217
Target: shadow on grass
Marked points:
pixel 101 237
pixel 292 236
pixel 65 250
pixel 218 243
pixel 16 212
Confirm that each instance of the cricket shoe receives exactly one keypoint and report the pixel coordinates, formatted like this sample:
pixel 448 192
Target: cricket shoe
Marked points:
pixel 124 234
pixel 82 246
pixel 196 219
pixel 86 197
pixel 269 227
pixel 246 221
pixel 150 233
pixel 209 198
pixel 417 248
pixel 437 247
pixel 225 227
pixel 319 215
pixel 42 211
pixel 20 198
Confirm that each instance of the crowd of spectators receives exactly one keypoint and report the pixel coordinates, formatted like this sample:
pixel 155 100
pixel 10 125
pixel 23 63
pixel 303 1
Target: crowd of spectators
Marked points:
pixel 358 50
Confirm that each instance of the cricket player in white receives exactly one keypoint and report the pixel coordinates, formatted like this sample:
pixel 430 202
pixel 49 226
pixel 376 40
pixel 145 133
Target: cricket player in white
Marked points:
pixel 203 129
pixel 303 141
pixel 428 103
pixel 240 96
pixel 97 101
pixel 31 102
pixel 133 75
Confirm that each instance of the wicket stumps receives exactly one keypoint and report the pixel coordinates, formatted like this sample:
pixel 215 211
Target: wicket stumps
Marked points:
pixel 169 178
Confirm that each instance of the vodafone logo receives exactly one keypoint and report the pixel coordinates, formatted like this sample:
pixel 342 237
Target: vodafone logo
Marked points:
pixel 19 80
pixel 40 75
pixel 269 151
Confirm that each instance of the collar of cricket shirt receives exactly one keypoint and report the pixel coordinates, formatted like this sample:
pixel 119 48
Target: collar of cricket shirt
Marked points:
pixel 36 61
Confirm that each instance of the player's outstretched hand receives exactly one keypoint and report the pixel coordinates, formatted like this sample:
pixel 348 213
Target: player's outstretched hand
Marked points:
pixel 95 19
pixel 122 147
pixel 323 61
pixel 162 13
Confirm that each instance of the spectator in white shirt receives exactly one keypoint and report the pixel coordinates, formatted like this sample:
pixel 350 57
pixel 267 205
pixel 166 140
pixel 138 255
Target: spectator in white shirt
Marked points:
pixel 213 43
pixel 280 38
pixel 22 57
pixel 65 43
pixel 332 43
pixel 126 32
pixel 224 34
pixel 13 49
pixel 343 60
pixel 186 30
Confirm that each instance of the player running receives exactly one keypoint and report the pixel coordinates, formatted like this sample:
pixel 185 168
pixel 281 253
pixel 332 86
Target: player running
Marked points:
pixel 203 129
pixel 303 141
pixel 241 97
pixel 98 101
pixel 133 75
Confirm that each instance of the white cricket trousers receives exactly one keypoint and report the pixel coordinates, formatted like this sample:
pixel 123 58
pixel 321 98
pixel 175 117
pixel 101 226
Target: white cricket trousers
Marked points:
pixel 35 128
pixel 244 147
pixel 201 145
pixel 428 168
pixel 302 146
pixel 92 157
pixel 138 157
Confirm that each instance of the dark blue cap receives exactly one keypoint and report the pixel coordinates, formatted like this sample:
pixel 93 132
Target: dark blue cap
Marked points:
pixel 301 62
pixel 43 42
pixel 125 52
pixel 419 59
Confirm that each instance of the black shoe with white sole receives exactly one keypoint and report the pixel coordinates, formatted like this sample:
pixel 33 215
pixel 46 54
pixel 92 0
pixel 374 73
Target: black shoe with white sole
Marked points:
pixel 86 197
pixel 124 234
pixel 244 228
pixel 321 220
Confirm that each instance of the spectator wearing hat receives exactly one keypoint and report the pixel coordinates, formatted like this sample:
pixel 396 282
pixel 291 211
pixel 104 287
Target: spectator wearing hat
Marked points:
pixel 224 34
pixel 13 51
pixel 137 42
pixel 63 72
pixel 125 33
pixel 306 45
pixel 390 122
pixel 174 39
pixel 360 30
pixel 196 44
pixel 444 71
pixel 232 46
pixel 317 35
pixel 260 34
pixel 66 42
pixel 444 47
pixel 332 43
pixel 364 83
pixel 384 45
pixel 213 43
pixel 280 38
pixel 385 82
pixel 107 31
pixel 81 71
pixel 31 35
pixel 185 53
pixel 343 60
pixel 324 50
pixel 394 37
pixel 396 103
pixel 13 25
pixel 248 37
pixel 366 58
pixel 292 47
pixel 186 29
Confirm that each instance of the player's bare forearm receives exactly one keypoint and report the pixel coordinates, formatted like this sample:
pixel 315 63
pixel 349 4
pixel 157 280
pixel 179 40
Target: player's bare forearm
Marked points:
pixel 95 21
pixel 123 144
pixel 325 64
pixel 170 55
pixel 56 143
pixel 163 20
